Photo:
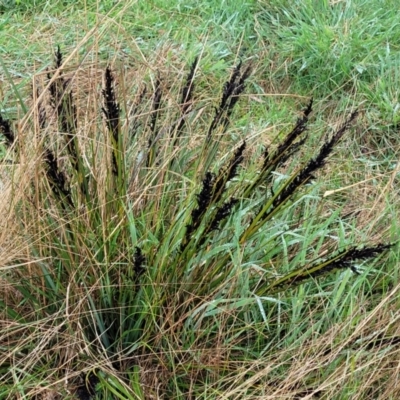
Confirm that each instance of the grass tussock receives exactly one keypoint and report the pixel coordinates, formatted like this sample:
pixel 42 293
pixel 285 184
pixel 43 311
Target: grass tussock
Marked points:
pixel 158 259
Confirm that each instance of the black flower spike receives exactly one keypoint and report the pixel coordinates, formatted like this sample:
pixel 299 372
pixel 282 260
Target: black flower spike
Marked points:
pixel 6 131
pixel 229 172
pixel 61 99
pixel 230 96
pixel 343 260
pixel 56 88
pixel 318 162
pixel 57 179
pixel 111 111
pixel 299 128
pixel 138 262
pixel 229 86
pixel 222 213
pixel 363 254
pixel 238 89
pixel 204 199
pixel 213 189
pixel 284 152
pixel 58 57
pixel 111 107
